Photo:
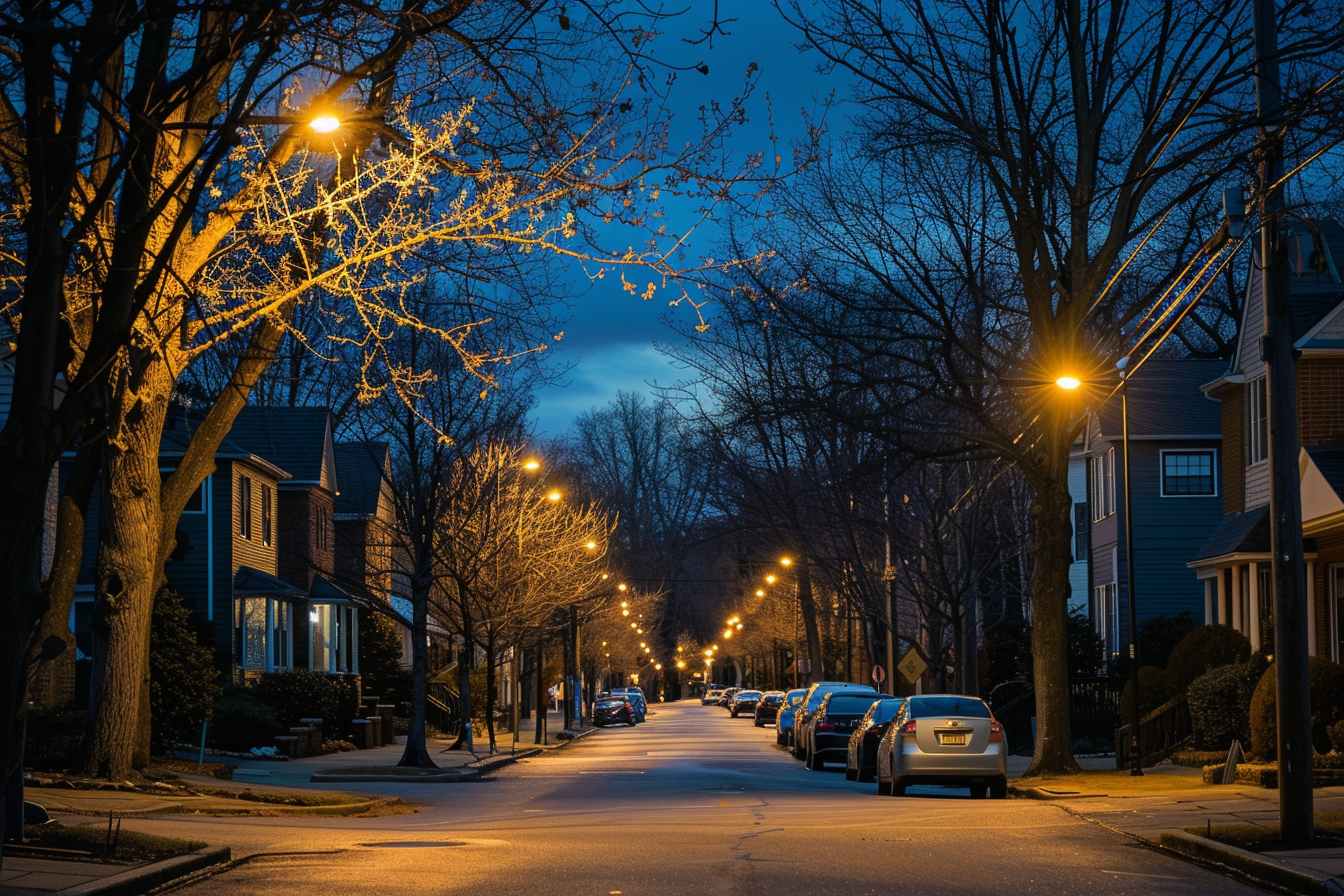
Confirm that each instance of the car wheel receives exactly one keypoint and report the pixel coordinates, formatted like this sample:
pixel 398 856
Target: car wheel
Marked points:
pixel 760 724
pixel 897 787
pixel 850 774
pixel 631 723
pixel 883 787
pixel 815 762
pixel 998 788
pixel 978 790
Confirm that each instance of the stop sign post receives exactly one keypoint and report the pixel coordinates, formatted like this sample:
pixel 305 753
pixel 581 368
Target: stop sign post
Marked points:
pixel 879 675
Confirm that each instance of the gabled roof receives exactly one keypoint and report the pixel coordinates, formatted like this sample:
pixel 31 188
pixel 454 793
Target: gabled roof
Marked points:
pixel 177 430
pixel 1165 400
pixel 1239 533
pixel 251 582
pixel 298 439
pixel 362 467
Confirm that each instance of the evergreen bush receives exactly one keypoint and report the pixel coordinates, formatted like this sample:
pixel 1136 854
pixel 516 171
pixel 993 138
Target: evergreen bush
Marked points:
pixel 1220 705
pixel 1159 635
pixel 1207 647
pixel 1327 708
pixel 380 671
pixel 240 722
pixel 296 694
pixel 182 687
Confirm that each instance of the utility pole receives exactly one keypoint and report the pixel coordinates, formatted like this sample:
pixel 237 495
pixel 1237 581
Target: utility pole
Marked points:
pixel 1297 825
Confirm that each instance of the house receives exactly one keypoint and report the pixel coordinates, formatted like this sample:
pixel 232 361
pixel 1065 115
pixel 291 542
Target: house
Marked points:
pixel 1174 442
pixel 1079 566
pixel 1233 564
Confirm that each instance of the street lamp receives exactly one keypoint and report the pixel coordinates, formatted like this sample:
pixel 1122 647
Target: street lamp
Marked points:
pixel 1070 383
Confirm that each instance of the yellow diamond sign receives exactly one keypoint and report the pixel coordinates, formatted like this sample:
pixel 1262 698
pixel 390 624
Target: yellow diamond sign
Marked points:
pixel 912 665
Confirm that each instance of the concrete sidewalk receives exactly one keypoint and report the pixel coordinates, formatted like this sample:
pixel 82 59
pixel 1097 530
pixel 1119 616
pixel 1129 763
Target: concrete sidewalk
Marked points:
pixel 40 874
pixel 1159 816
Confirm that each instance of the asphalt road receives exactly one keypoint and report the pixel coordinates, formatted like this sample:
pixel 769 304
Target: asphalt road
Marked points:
pixel 691 802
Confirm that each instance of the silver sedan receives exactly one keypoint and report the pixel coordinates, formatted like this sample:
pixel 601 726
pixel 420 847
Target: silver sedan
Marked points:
pixel 944 739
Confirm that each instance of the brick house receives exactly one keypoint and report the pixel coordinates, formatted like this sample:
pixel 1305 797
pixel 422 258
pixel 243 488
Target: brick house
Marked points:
pixel 1233 564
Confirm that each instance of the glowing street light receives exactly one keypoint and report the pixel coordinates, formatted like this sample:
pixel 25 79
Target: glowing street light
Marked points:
pixel 553 496
pixel 532 464
pixel 1068 382
pixel 325 124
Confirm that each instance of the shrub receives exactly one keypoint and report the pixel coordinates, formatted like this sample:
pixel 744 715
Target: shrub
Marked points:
pixel 1337 737
pixel 182 688
pixel 1220 705
pixel 1205 648
pixel 1152 693
pixel 1087 651
pixel 296 694
pixel 1159 636
pixel 1327 707
pixel 380 671
pixel 240 722
pixel 57 737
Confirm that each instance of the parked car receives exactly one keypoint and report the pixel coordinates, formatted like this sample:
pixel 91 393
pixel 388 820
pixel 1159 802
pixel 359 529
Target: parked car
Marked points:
pixel 944 739
pixel 767 708
pixel 727 696
pixel 830 726
pixel 784 720
pixel 613 710
pixel 861 753
pixel 637 702
pixel 815 694
pixel 744 701
pixel 711 697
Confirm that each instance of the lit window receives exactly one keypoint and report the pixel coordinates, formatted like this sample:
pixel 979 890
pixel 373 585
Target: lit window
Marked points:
pixel 264 633
pixel 266 499
pixel 1101 484
pixel 1188 473
pixel 335 637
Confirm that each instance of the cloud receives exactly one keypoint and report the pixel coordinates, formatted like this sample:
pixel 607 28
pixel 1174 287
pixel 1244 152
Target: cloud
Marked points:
pixel 596 378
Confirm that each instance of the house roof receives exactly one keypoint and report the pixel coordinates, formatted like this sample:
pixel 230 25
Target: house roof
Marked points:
pixel 361 466
pixel 1330 461
pixel 176 437
pixel 1165 400
pixel 1316 295
pixel 326 591
pixel 250 582
pixel 298 439
pixel 1246 532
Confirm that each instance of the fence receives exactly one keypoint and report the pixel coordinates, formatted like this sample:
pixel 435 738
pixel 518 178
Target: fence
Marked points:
pixel 1094 711
pixel 1161 733
pixel 443 707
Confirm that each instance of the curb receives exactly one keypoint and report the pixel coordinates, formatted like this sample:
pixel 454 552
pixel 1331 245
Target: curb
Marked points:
pixel 1253 865
pixel 1038 793
pixel 145 878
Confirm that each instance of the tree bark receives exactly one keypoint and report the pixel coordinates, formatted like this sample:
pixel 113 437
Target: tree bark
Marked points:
pixel 416 754
pixel 808 608
pixel 490 686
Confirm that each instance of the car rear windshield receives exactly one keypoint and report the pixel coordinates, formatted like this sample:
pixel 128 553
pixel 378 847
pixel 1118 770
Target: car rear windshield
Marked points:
pixel 772 699
pixel 606 704
pixel 748 695
pixel 886 710
pixel 966 707
pixel 849 706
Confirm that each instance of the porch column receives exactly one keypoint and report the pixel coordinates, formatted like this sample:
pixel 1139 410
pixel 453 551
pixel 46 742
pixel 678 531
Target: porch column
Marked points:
pixel 1237 622
pixel 1209 618
pixel 1222 597
pixel 1255 606
pixel 1311 608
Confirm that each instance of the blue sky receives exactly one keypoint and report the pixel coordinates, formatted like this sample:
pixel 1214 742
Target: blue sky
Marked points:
pixel 610 340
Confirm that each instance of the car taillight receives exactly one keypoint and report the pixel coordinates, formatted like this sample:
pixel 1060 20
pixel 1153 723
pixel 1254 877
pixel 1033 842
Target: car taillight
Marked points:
pixel 995 732
pixel 825 726
pixel 908 727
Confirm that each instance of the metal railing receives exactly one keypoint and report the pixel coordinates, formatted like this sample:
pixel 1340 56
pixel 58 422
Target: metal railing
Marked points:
pixel 443 707
pixel 1161 733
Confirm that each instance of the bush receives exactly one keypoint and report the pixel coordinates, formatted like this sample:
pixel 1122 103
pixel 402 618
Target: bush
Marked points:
pixel 182 688
pixel 241 722
pixel 296 694
pixel 1159 636
pixel 57 738
pixel 380 671
pixel 1087 651
pixel 1327 707
pixel 1205 648
pixel 1152 693
pixel 1337 737
pixel 1220 705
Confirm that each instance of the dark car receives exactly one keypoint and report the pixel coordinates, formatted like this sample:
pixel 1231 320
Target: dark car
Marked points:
pixel 613 711
pixel 727 696
pixel 784 719
pixel 815 694
pixel 831 725
pixel 637 703
pixel 861 756
pixel 767 708
pixel 743 701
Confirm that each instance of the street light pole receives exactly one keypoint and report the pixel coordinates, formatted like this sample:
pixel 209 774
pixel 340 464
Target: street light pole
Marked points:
pixel 1130 590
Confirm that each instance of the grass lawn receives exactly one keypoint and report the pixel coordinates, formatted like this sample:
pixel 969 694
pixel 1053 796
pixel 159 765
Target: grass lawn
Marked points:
pixel 1265 838
pixel 1115 783
pixel 124 846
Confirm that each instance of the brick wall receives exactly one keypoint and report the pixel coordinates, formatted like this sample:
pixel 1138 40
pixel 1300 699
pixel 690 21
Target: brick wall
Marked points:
pixel 303 552
pixel 1321 400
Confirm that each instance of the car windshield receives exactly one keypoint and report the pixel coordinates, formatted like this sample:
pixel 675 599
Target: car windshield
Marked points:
pixel 772 699
pixel 849 706
pixel 611 701
pixel 951 707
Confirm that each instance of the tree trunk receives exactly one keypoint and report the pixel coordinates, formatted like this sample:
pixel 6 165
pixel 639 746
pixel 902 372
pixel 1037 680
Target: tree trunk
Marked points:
pixel 1050 535
pixel 416 754
pixel 808 608
pixel 129 527
pixel 53 646
pixel 490 686
pixel 539 682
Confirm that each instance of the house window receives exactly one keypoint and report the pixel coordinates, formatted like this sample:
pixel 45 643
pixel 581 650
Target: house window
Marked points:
pixel 1081 530
pixel 335 638
pixel 1106 610
pixel 1101 484
pixel 1188 473
pixel 1257 416
pixel 245 507
pixel 264 625
pixel 266 515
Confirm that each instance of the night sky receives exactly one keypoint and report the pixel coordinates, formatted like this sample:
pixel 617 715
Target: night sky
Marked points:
pixel 610 340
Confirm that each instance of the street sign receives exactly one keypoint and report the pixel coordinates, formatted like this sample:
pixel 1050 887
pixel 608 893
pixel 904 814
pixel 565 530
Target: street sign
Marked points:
pixel 912 665
pixel 879 674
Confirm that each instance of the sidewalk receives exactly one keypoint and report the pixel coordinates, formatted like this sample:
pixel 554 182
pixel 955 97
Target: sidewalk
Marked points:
pixel 48 875
pixel 1158 815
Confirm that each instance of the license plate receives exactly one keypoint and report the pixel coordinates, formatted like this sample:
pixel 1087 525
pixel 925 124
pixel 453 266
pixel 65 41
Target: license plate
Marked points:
pixel 953 740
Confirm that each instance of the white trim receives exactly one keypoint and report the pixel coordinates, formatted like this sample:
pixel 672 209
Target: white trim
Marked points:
pixel 1254 580
pixel 1162 472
